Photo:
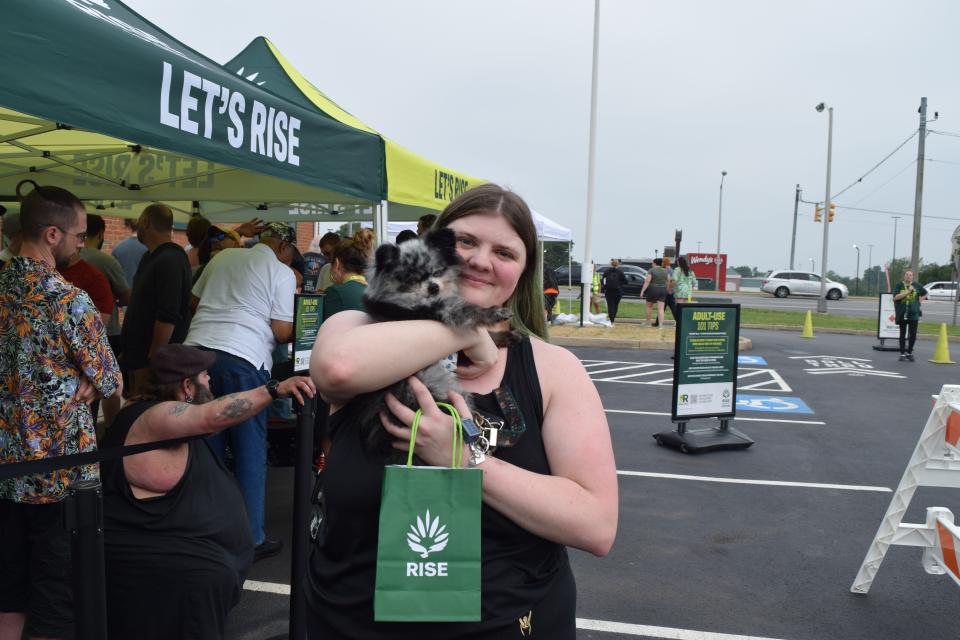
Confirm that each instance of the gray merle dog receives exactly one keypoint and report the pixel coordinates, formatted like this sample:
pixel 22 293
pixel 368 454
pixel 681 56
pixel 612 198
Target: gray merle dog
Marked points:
pixel 418 280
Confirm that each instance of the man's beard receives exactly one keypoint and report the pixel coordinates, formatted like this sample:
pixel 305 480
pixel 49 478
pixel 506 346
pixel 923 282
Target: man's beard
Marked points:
pixel 202 396
pixel 60 257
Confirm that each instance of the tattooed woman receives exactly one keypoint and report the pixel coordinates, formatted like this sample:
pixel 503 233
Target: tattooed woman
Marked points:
pixel 176 537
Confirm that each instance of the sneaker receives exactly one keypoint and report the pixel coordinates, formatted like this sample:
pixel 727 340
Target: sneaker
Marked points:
pixel 903 357
pixel 269 547
pixel 910 357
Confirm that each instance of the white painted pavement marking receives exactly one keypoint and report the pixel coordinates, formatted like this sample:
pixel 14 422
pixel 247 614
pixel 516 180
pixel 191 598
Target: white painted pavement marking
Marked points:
pixel 267 587
pixel 582 623
pixel 597 369
pixel 659 632
pixel 737 419
pixel 771 483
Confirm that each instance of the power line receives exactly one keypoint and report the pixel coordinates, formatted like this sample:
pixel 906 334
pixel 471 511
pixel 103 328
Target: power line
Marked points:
pixel 895 213
pixel 873 168
pixel 943 161
pixel 891 179
pixel 944 133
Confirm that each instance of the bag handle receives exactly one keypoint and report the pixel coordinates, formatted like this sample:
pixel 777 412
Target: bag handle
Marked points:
pixel 455 460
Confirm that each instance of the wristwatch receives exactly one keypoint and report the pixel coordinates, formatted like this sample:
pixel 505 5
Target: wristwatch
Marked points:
pixel 272 386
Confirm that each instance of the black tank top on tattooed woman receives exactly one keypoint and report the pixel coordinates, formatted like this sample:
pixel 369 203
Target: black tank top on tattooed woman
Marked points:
pixel 521 572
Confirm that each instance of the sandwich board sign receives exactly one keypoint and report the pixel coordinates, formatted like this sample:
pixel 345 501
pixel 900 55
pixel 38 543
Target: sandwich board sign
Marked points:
pixel 705 377
pixel 307 316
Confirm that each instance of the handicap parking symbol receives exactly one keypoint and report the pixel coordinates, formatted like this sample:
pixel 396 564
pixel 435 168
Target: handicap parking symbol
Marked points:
pixel 748 360
pixel 772 404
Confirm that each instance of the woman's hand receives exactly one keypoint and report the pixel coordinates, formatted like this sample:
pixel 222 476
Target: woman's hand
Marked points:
pixel 435 432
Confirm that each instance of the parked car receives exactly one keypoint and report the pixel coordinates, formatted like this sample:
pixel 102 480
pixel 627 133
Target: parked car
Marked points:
pixel 801 283
pixel 574 274
pixel 941 290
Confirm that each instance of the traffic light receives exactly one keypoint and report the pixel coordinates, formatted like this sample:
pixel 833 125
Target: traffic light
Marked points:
pixel 833 210
pixel 817 214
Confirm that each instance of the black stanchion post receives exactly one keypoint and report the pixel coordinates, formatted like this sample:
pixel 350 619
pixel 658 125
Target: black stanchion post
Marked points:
pixel 303 483
pixel 83 518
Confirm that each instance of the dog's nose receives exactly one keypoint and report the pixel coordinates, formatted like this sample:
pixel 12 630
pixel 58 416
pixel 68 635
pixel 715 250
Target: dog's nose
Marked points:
pixel 433 288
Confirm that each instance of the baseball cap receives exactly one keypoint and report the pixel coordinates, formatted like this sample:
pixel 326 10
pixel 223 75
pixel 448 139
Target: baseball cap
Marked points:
pixel 174 362
pixel 280 230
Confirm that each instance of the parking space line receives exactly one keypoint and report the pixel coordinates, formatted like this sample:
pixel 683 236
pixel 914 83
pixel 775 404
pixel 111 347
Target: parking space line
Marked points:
pixel 267 587
pixel 772 483
pixel 642 365
pixel 635 375
pixel 659 632
pixel 663 413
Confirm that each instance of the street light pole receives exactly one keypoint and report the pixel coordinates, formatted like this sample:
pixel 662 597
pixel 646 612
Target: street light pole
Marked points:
pixel 822 302
pixel 586 271
pixel 813 265
pixel 793 238
pixel 870 266
pixel 858 270
pixel 716 285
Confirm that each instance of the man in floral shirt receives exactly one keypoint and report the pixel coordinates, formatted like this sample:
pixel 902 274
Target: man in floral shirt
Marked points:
pixel 54 359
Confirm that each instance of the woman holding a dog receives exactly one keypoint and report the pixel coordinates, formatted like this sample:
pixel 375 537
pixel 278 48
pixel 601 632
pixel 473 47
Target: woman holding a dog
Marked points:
pixel 551 487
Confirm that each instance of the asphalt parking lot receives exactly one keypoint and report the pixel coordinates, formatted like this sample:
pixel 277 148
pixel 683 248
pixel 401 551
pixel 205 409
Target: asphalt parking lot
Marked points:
pixel 700 555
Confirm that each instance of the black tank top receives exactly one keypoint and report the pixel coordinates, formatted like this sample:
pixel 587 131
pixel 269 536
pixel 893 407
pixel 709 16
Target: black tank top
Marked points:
pixel 519 568
pixel 203 517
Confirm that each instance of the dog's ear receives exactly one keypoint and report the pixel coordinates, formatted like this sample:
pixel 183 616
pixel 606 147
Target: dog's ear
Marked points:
pixel 387 256
pixel 445 241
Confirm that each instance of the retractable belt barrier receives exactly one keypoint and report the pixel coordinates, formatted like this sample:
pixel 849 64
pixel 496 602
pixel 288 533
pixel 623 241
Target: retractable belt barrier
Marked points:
pixel 935 463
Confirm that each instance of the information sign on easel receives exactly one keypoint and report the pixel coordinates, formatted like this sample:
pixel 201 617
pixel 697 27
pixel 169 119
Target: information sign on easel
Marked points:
pixel 307 316
pixel 705 353
pixel 887 327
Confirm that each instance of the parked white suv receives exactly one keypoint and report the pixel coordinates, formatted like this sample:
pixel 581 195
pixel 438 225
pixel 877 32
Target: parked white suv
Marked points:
pixel 941 290
pixel 801 283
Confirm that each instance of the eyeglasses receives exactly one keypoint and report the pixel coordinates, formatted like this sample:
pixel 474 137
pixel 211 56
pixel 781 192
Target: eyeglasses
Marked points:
pixel 82 236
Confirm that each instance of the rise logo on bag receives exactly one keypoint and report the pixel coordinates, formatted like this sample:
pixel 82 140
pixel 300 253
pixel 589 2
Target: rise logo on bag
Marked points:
pixel 427 536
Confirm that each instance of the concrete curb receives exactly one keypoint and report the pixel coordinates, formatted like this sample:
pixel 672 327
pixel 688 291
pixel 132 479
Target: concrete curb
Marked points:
pixel 613 343
pixel 849 332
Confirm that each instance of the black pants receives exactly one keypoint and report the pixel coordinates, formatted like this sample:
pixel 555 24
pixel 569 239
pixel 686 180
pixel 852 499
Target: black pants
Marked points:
pixel 672 304
pixel 613 303
pixel 912 324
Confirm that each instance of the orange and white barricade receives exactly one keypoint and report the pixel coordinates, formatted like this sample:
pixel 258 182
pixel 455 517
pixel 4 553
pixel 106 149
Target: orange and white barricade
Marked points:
pixel 935 463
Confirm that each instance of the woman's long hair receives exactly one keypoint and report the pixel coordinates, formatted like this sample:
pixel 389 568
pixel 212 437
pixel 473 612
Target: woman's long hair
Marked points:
pixel 526 301
pixel 682 263
pixel 354 254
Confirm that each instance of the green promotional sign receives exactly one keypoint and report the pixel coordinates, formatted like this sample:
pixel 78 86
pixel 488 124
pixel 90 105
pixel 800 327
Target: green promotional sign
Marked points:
pixel 705 361
pixel 307 315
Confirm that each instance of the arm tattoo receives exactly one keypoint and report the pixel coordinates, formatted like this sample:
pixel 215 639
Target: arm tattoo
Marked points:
pixel 235 407
pixel 177 408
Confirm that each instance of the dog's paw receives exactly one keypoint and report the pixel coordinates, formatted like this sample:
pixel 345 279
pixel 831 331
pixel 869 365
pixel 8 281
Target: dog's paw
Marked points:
pixel 497 314
pixel 505 338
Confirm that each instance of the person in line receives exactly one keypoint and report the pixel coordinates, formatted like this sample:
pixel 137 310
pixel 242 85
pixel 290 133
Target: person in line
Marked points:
pixel 425 223
pixel 176 540
pixel 129 251
pixel 684 281
pixel 350 261
pixel 54 360
pixel 405 235
pixel 671 300
pixel 595 287
pixel 216 241
pixel 159 310
pixel 197 228
pixel 654 290
pixel 11 237
pixel 551 291
pixel 614 279
pixel 554 486
pixel 328 243
pixel 907 297
pixel 244 308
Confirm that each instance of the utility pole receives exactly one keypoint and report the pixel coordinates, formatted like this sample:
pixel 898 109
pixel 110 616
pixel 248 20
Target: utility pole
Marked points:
pixel 918 197
pixel 793 238
pixel 716 284
pixel 896 219
pixel 586 271
pixel 822 301
pixel 870 266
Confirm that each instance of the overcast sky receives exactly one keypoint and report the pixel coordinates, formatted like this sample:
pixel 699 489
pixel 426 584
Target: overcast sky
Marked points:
pixel 500 89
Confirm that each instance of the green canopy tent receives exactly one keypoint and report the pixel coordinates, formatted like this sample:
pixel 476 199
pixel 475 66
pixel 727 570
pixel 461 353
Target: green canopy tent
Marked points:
pixel 415 185
pixel 99 101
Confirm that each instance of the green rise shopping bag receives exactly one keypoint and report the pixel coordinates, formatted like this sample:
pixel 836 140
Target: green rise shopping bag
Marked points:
pixel 428 552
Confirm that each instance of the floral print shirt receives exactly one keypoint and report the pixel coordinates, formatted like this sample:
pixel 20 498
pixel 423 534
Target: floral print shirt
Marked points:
pixel 50 336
